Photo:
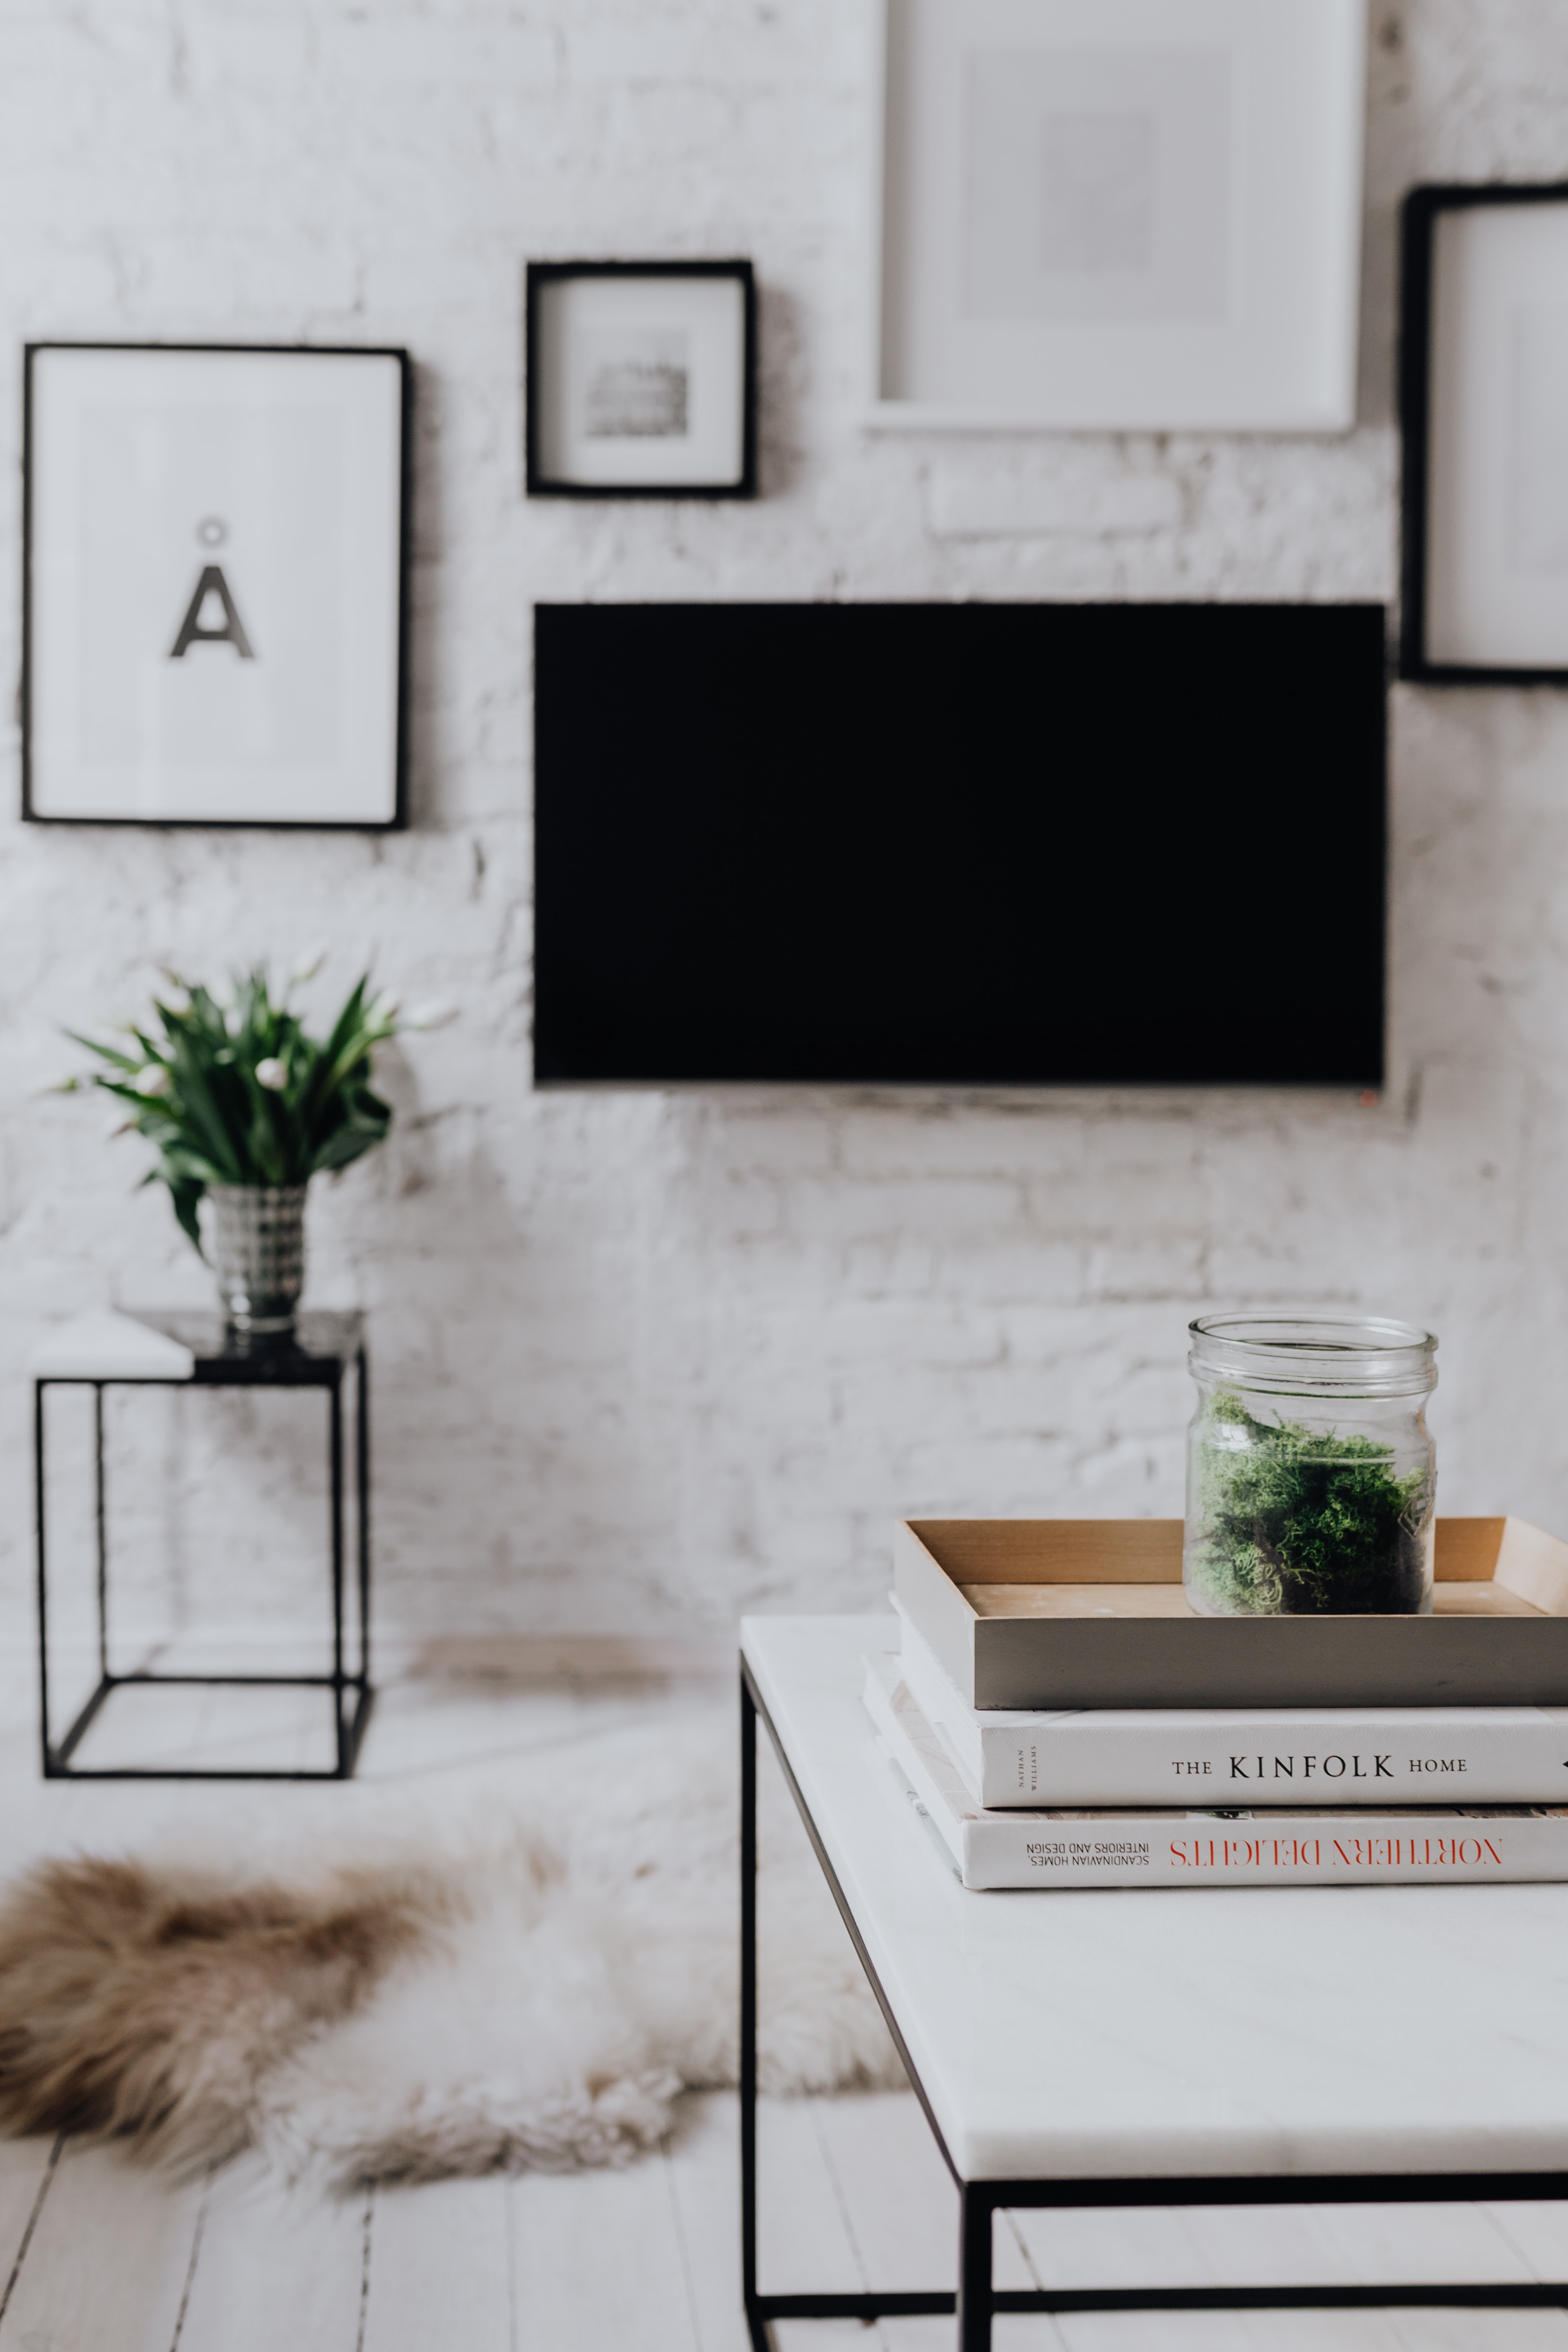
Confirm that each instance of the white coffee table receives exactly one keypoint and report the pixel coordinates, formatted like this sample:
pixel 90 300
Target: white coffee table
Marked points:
pixel 1286 2046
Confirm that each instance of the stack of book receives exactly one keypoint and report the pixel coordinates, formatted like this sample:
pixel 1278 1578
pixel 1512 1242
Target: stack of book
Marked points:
pixel 1215 1795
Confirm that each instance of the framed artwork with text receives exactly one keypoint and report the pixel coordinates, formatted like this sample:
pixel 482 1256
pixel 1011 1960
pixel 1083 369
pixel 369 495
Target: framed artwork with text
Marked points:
pixel 214 594
pixel 1119 215
pixel 1484 409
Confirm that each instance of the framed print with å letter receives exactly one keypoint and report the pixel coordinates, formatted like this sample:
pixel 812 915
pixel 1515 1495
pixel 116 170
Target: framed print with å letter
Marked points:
pixel 1484 404
pixel 1119 215
pixel 216 544
pixel 641 380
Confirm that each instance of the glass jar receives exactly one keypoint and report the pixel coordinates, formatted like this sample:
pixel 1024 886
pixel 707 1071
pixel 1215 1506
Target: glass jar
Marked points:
pixel 1311 1476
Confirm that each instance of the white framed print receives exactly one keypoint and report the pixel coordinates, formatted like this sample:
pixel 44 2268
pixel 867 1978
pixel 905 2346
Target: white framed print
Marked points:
pixel 1137 215
pixel 215 555
pixel 1484 411
pixel 641 380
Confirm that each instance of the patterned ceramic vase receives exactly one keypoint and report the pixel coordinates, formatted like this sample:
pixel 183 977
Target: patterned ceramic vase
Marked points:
pixel 258 1249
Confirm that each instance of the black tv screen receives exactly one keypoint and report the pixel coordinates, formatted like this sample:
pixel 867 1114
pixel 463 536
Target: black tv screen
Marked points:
pixel 961 844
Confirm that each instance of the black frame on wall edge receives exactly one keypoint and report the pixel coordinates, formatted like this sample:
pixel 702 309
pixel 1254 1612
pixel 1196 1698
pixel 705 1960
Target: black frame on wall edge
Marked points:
pixel 398 821
pixel 1420 212
pixel 537 483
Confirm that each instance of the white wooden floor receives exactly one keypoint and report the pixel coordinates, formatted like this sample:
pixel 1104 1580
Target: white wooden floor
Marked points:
pixel 98 2256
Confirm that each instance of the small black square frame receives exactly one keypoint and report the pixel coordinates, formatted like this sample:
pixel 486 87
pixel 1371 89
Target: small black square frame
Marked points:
pixel 397 819
pixel 540 481
pixel 1423 209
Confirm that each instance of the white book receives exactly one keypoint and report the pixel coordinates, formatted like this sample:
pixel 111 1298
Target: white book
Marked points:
pixel 1242 1755
pixel 1059 1846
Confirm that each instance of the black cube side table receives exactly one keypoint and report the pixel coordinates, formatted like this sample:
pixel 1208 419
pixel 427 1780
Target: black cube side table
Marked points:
pixel 322 1352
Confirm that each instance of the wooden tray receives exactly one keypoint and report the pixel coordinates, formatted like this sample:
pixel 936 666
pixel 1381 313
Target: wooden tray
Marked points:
pixel 1090 1612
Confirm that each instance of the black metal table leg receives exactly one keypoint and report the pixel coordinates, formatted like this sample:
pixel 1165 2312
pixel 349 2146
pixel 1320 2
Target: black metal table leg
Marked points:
pixel 976 2233
pixel 335 1464
pixel 102 1531
pixel 43 1574
pixel 362 1478
pixel 756 2325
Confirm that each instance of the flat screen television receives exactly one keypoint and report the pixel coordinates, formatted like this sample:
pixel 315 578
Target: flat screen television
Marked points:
pixel 959 845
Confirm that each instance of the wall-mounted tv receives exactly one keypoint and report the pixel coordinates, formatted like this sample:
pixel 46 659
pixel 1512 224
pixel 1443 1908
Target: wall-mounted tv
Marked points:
pixel 959 845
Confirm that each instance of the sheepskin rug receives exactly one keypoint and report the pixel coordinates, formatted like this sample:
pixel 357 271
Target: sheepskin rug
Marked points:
pixel 507 1966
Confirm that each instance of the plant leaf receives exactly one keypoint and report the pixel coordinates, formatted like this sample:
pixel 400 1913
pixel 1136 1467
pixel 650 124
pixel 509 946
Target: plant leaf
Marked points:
pixel 186 1193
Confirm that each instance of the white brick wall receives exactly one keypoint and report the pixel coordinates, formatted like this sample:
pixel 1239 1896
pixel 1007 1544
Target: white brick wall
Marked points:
pixel 644 1359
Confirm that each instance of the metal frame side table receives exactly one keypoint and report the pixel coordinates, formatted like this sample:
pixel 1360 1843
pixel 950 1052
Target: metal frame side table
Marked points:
pixel 322 1352
pixel 978 2299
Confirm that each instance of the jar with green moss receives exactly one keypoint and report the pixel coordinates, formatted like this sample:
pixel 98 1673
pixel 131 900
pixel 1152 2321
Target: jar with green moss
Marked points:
pixel 1311 1475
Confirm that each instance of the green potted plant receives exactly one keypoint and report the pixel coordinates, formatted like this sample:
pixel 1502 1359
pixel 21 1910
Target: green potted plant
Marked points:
pixel 242 1106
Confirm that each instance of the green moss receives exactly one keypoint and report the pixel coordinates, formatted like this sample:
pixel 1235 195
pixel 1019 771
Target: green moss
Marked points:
pixel 1295 1522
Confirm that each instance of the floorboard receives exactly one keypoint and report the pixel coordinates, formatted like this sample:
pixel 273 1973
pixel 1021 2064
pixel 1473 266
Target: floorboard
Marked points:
pixel 1100 2248
pixel 141 1729
pixel 181 1727
pixel 440 2269
pixel 598 2263
pixel 1402 2242
pixel 804 2239
pixel 1233 2331
pixel 898 2198
pixel 108 2264
pixel 1538 2232
pixel 278 2270
pixel 1499 2331
pixel 1313 2331
pixel 702 2163
pixel 25 2167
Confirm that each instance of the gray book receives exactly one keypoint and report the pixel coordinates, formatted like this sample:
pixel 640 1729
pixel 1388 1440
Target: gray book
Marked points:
pixel 1149 1846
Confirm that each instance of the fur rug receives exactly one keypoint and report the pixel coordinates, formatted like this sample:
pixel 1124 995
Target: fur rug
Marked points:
pixel 508 1970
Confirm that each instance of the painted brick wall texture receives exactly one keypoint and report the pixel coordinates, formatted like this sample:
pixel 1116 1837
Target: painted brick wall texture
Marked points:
pixel 643 1359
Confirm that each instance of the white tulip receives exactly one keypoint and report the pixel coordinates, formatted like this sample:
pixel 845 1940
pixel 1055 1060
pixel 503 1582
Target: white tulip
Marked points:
pixel 384 1008
pixel 439 1013
pixel 154 1080
pixel 118 1125
pixel 223 993
pixel 271 1073
pixel 308 964
pixel 233 1021
pixel 175 999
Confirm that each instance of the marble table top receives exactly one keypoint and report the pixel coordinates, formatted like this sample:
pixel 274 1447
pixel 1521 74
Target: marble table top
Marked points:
pixel 1158 2031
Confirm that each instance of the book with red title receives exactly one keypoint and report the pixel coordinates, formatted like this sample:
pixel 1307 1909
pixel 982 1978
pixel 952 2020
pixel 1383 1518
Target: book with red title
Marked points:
pixel 1248 1757
pixel 1065 1846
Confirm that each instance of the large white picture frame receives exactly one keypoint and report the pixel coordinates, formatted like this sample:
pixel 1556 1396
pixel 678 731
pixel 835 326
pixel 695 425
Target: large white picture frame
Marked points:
pixel 1119 215
pixel 216 545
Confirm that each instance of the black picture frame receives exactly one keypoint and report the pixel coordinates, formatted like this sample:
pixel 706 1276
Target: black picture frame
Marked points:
pixel 397 819
pixel 540 479
pixel 1423 211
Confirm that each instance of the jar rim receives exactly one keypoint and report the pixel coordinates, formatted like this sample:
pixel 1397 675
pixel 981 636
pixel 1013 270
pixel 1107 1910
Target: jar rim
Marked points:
pixel 1361 1354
